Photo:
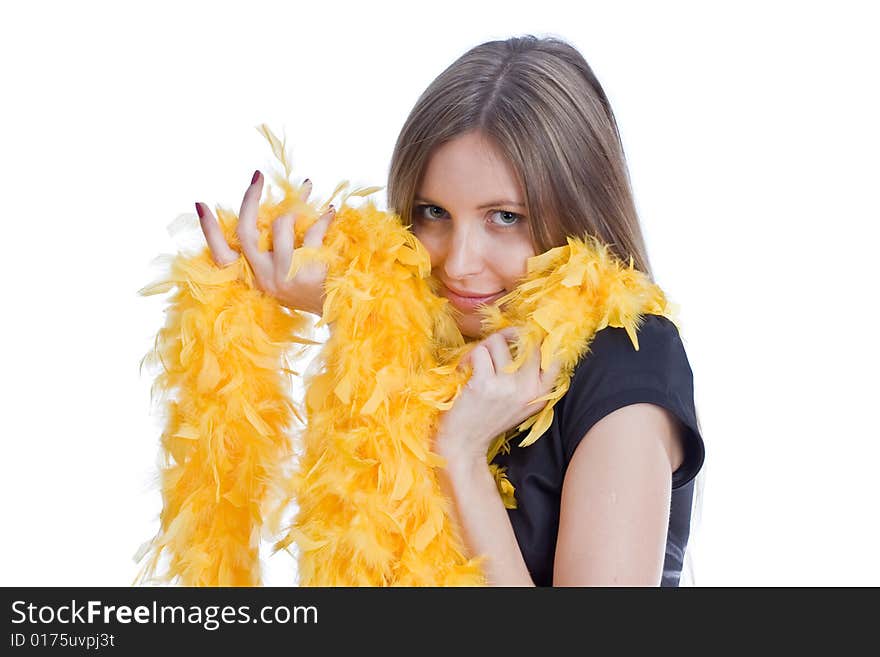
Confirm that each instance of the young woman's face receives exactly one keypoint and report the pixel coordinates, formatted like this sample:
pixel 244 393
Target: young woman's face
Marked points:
pixel 470 214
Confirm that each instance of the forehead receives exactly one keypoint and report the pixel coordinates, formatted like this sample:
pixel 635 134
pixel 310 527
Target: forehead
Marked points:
pixel 469 168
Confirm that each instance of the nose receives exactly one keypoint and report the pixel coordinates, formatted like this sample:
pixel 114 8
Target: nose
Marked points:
pixel 464 254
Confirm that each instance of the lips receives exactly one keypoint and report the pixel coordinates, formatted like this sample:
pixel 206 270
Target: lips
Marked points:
pixel 470 300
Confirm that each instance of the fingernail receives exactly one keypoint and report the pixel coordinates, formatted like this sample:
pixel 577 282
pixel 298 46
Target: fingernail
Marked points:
pixel 199 211
pixel 256 176
pixel 332 209
pixel 307 180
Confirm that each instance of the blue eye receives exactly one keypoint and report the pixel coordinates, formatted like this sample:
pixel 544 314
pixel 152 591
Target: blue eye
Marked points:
pixel 434 213
pixel 513 218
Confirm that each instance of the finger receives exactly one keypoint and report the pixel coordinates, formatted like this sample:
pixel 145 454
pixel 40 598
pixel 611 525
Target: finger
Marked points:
pixel 549 376
pixel 314 236
pixel 481 360
pixel 465 359
pixel 306 190
pixel 261 262
pixel 221 252
pixel 282 247
pixel 532 366
pixel 511 333
pixel 497 346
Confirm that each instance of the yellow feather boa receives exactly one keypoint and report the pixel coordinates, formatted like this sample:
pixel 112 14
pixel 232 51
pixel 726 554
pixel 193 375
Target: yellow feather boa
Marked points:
pixel 370 511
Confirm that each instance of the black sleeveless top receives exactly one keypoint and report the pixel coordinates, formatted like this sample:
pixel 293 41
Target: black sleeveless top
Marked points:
pixel 610 376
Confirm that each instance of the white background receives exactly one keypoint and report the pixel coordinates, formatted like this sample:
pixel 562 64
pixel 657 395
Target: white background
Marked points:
pixel 752 140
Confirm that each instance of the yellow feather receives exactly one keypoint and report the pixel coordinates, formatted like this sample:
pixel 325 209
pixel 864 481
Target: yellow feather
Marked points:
pixel 370 510
pixel 278 148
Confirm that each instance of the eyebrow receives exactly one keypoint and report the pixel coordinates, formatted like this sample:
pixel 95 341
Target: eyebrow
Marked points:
pixel 480 207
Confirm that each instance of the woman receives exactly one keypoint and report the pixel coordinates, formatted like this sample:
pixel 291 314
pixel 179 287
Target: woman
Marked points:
pixel 510 150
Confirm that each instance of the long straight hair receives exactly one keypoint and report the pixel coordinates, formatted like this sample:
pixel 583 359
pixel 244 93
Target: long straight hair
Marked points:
pixel 539 102
pixel 542 106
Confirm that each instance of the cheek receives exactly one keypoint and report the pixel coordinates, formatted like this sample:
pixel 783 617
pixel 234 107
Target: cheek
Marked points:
pixel 432 246
pixel 515 265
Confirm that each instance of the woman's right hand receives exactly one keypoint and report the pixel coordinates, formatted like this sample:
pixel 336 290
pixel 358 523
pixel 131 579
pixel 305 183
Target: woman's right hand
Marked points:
pixel 305 291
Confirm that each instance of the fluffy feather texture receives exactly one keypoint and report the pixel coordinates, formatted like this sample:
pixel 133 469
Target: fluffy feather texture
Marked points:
pixel 370 511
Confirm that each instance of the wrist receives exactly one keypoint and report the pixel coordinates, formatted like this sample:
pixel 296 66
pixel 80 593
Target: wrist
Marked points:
pixel 463 479
pixel 462 463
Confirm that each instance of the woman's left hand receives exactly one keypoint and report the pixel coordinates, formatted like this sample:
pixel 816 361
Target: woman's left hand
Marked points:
pixel 493 400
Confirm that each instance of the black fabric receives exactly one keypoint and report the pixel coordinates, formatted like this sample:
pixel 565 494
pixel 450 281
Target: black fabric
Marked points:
pixel 610 376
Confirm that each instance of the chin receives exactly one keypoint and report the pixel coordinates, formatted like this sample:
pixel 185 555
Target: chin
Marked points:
pixel 470 326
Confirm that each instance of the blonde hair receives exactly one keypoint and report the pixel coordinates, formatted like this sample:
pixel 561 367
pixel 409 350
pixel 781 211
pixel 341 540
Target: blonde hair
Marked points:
pixel 538 100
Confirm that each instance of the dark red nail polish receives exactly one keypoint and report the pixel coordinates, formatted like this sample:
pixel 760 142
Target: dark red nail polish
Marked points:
pixel 199 211
pixel 306 180
pixel 256 176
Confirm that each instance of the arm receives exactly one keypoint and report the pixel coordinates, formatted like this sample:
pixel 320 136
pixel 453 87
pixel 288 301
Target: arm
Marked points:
pixel 492 401
pixel 616 498
pixel 483 520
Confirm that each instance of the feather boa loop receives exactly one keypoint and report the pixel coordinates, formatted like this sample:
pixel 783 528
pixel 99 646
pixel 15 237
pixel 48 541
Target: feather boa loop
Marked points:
pixel 358 465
